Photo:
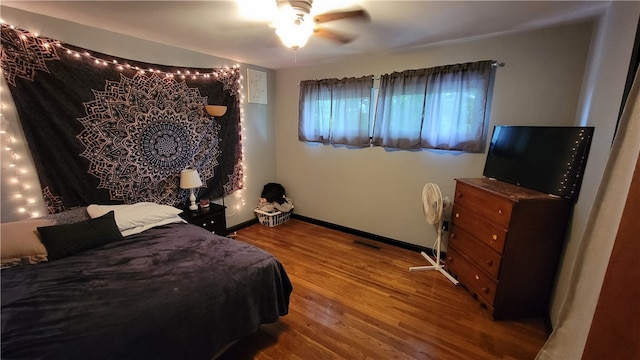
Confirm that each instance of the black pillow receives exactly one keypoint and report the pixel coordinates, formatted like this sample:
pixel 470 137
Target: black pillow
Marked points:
pixel 68 239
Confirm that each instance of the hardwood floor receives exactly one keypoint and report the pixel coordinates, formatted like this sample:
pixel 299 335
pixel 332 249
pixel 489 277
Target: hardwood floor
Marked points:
pixel 353 301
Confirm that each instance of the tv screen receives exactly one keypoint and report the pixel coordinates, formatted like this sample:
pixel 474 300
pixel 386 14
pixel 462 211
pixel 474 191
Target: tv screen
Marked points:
pixel 549 159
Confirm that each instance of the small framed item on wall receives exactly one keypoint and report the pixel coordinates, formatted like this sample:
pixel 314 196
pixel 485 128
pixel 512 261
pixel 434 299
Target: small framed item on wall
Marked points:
pixel 257 86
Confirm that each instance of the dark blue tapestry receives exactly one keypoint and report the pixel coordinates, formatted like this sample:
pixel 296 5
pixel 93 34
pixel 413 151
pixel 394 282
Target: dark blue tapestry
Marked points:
pixel 108 130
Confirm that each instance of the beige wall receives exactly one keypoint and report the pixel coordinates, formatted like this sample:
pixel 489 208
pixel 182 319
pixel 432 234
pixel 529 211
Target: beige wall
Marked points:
pixel 378 191
pixel 258 133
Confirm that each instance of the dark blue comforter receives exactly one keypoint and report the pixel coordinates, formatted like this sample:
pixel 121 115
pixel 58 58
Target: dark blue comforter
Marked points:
pixel 172 292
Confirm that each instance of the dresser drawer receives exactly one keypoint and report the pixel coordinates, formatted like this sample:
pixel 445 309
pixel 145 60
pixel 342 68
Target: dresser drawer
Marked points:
pixel 483 256
pixel 484 231
pixel 474 280
pixel 484 203
pixel 212 218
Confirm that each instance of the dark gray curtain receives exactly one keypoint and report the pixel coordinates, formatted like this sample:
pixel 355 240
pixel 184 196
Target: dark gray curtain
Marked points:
pixel 335 111
pixel 442 107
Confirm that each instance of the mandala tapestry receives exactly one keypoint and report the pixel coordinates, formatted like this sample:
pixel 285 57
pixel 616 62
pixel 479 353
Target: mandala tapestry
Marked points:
pixel 108 130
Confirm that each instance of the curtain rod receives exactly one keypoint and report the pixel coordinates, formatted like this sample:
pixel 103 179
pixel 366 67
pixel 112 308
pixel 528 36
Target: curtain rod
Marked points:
pixel 494 64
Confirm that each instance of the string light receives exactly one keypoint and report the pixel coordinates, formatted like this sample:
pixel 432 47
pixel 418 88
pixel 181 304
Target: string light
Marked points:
pixel 215 73
pixel 15 174
pixel 28 205
pixel 239 194
pixel 242 149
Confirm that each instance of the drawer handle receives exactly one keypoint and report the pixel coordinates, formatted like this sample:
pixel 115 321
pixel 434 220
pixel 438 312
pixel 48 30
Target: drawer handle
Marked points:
pixel 494 237
pixel 500 211
pixel 457 215
pixel 490 262
pixel 485 290
pixel 459 195
pixel 452 236
pixel 450 259
pixel 477 277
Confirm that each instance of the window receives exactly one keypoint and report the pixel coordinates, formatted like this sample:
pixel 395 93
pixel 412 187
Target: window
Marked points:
pixel 437 108
pixel 335 111
pixel 443 107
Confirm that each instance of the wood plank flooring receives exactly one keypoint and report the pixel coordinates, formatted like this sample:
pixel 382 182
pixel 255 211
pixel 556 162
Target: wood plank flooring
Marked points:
pixel 353 301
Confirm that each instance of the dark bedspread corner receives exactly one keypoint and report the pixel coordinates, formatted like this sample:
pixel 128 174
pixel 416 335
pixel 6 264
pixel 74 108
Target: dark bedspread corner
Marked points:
pixel 175 291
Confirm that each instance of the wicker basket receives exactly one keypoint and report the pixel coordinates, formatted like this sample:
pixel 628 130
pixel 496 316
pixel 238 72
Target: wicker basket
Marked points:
pixel 273 219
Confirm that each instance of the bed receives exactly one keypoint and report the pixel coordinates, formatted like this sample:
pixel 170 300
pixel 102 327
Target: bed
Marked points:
pixel 172 291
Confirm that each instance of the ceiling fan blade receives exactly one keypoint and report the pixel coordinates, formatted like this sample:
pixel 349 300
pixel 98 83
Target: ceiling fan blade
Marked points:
pixel 332 35
pixel 332 16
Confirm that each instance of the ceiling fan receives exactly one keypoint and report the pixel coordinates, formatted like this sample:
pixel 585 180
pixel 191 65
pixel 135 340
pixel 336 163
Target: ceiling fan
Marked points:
pixel 295 23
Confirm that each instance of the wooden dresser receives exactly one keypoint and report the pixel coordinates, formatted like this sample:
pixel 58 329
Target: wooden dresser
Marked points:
pixel 504 245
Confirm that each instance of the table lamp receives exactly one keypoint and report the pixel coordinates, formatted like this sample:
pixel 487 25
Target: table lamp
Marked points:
pixel 190 179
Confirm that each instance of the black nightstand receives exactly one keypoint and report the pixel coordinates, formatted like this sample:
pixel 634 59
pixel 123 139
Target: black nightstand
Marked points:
pixel 212 218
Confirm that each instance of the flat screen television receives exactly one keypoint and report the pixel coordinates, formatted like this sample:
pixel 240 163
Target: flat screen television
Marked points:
pixel 549 159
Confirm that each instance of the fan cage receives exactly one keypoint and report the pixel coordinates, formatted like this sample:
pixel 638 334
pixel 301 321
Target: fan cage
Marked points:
pixel 433 203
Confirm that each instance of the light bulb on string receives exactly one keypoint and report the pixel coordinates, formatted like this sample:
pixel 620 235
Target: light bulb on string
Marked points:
pixel 47 43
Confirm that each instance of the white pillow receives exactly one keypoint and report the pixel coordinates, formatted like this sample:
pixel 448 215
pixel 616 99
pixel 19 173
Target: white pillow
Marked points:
pixel 135 215
pixel 139 229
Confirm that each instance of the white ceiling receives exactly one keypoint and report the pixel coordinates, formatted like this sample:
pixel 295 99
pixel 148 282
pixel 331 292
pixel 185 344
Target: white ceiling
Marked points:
pixel 225 28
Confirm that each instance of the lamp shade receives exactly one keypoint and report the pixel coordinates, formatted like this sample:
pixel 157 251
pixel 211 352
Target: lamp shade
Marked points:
pixel 189 179
pixel 216 110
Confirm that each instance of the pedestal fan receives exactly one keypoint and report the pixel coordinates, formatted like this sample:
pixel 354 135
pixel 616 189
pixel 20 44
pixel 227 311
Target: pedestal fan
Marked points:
pixel 433 206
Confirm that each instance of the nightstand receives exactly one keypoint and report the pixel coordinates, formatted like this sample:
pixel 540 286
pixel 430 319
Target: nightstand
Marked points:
pixel 212 218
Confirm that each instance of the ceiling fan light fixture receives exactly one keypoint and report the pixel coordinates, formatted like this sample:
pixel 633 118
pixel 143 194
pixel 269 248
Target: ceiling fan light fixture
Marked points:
pixel 295 23
pixel 295 34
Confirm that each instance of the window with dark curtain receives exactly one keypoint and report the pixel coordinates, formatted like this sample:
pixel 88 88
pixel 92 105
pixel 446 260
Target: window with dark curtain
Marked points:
pixel 335 111
pixel 443 107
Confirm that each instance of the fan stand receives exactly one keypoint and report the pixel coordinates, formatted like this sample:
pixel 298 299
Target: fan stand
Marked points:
pixel 435 265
